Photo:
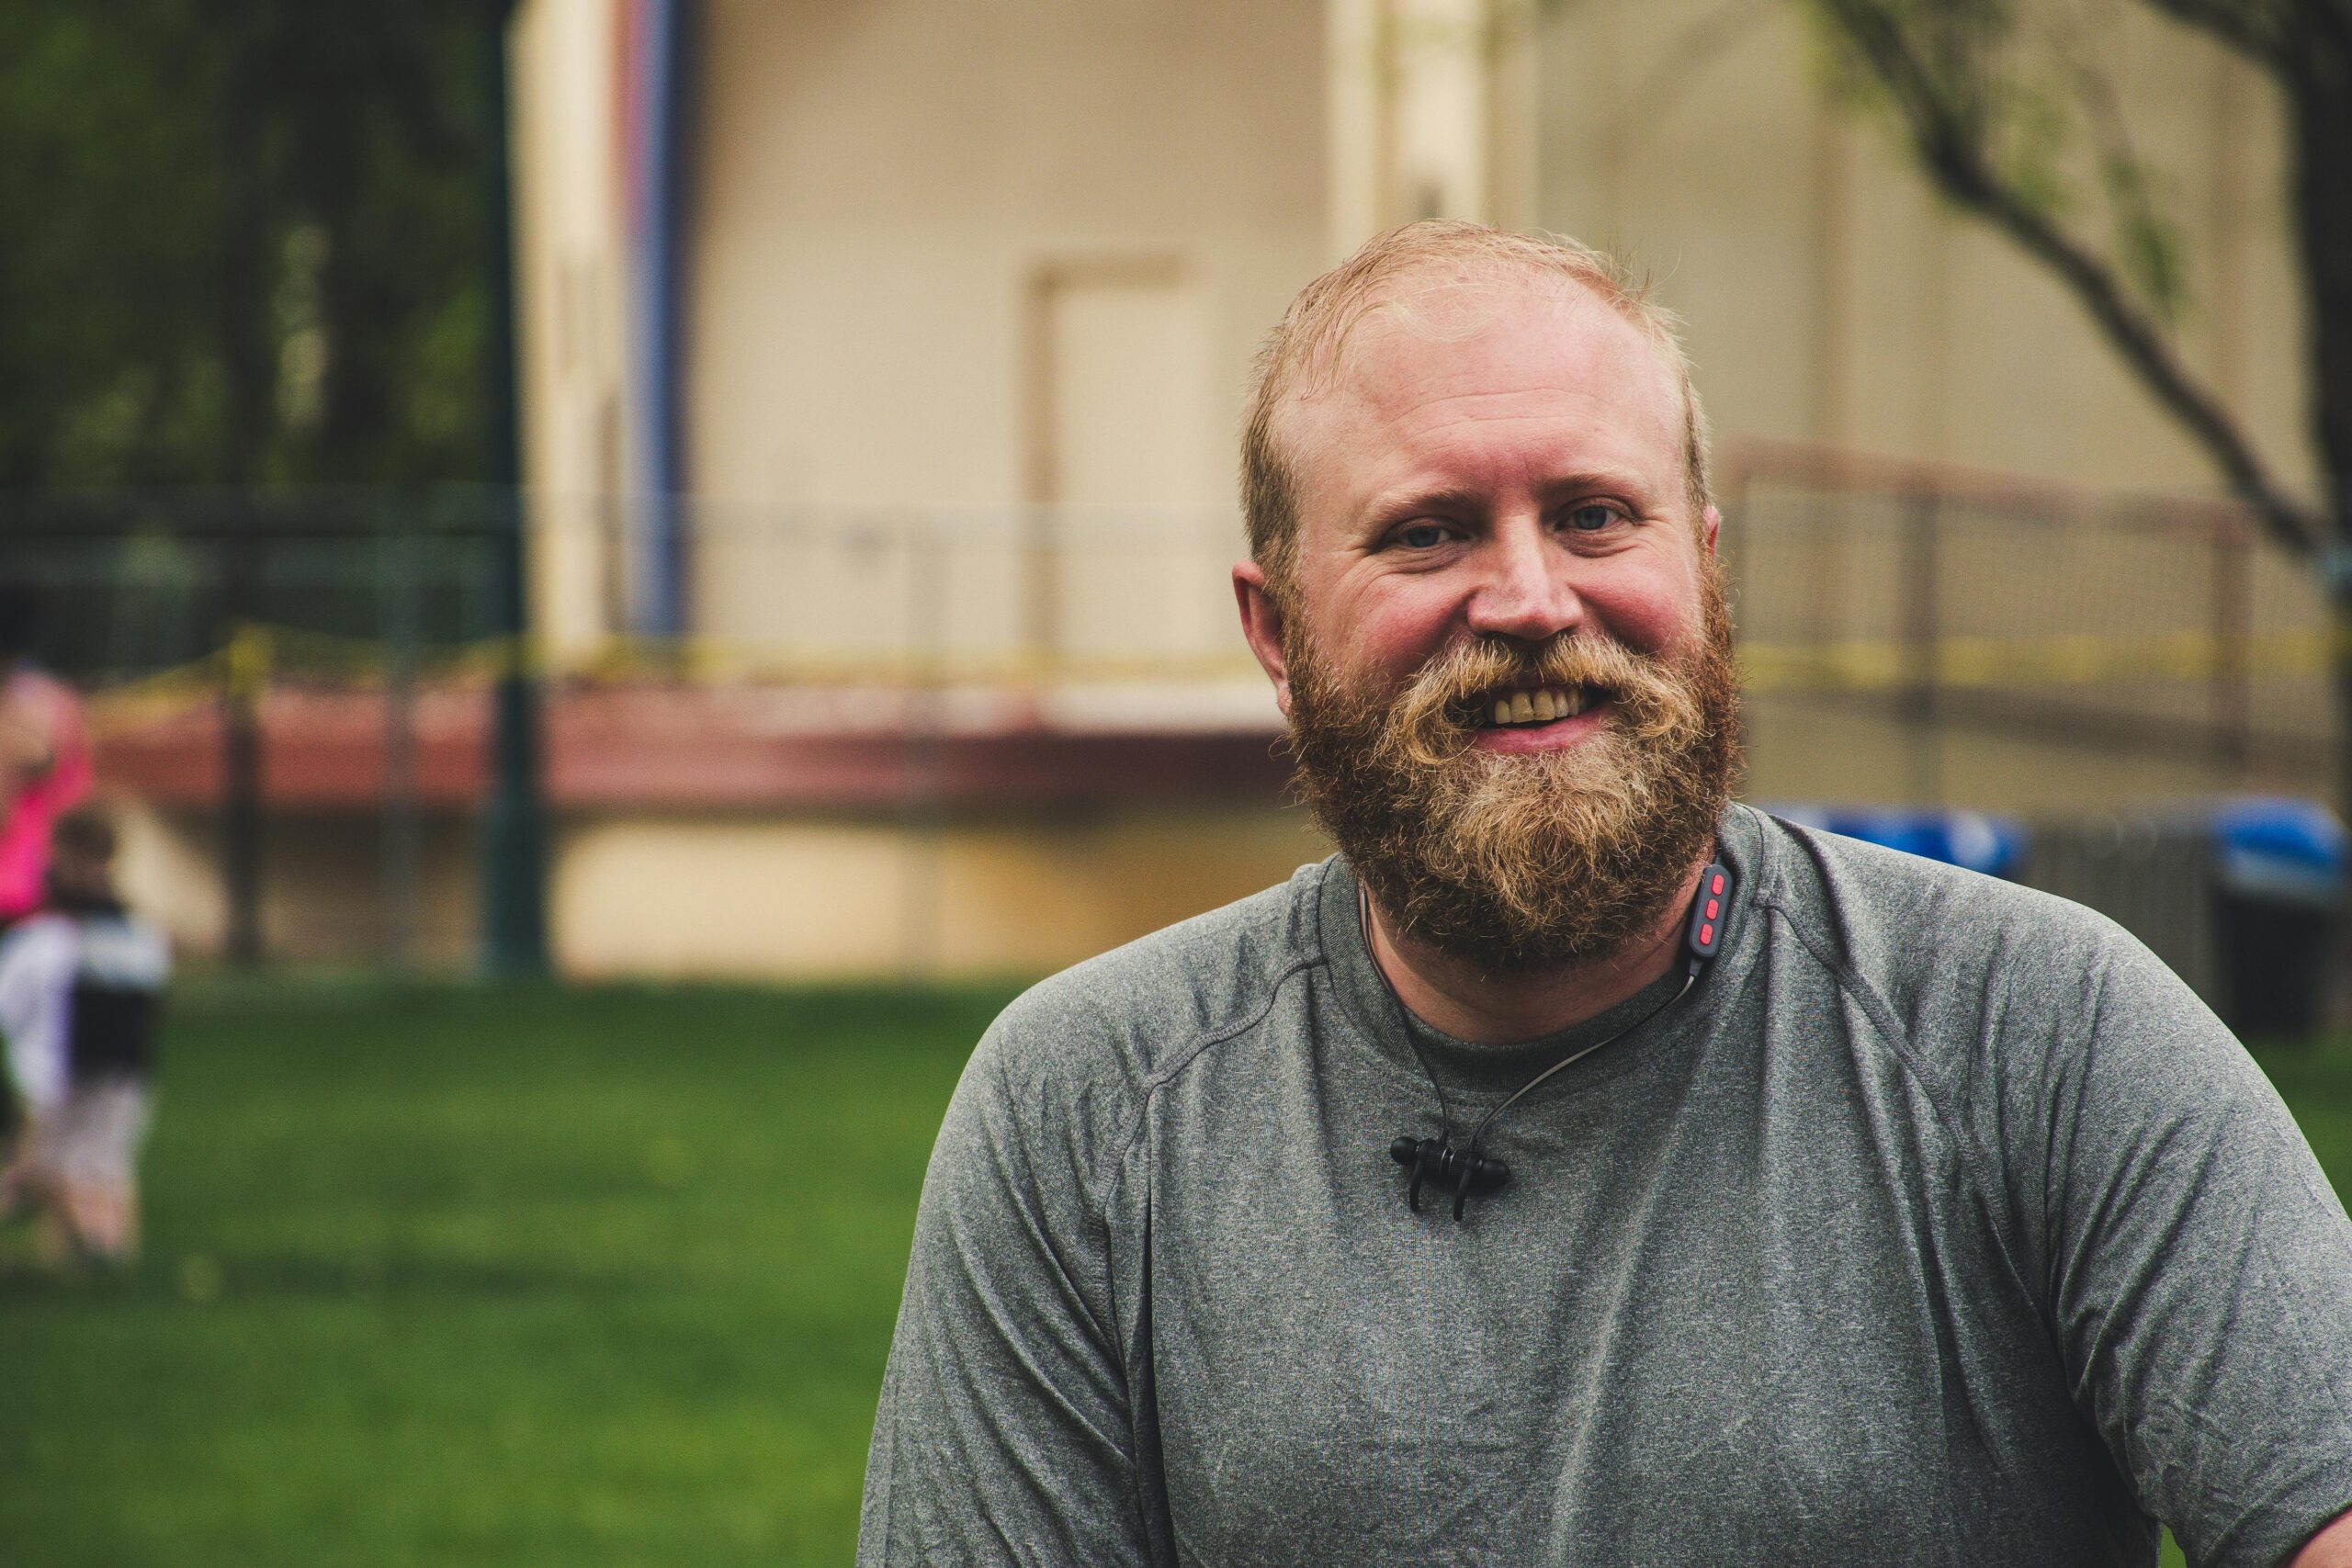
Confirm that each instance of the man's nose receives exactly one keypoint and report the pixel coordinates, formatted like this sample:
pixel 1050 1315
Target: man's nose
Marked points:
pixel 1526 593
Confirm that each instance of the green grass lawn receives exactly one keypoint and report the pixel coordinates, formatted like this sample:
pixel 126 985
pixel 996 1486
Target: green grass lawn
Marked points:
pixel 445 1275
pixel 456 1276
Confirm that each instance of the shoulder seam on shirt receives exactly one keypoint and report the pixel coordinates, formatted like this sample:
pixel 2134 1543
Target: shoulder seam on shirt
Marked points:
pixel 1185 1055
pixel 1883 1022
pixel 2050 1264
pixel 1106 1183
pixel 1106 1177
pixel 1191 1053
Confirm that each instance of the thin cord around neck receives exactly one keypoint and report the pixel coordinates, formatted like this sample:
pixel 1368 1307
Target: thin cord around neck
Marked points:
pixel 1478 1137
pixel 1404 1015
pixel 1413 1037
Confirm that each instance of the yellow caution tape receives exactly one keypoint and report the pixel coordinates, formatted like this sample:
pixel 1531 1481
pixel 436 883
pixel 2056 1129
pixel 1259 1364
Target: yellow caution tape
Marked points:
pixel 257 655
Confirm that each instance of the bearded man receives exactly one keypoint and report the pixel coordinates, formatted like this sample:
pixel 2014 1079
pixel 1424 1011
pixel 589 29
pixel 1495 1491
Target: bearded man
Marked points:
pixel 1581 1169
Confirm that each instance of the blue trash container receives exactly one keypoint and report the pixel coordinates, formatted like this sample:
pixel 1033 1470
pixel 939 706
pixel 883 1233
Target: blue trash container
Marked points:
pixel 1974 840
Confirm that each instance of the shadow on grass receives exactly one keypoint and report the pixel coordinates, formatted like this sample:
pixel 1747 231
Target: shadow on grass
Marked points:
pixel 252 1277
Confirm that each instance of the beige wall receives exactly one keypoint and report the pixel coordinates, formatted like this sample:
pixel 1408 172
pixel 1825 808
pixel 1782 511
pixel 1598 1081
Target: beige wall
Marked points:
pixel 922 233
pixel 681 896
pixel 880 180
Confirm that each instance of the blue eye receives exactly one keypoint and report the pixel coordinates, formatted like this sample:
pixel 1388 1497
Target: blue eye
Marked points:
pixel 1592 517
pixel 1422 536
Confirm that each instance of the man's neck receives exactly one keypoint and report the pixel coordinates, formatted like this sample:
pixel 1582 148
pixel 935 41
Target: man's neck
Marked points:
pixel 1471 1002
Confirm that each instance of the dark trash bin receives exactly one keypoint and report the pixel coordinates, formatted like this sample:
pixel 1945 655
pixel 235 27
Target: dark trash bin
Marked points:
pixel 2278 884
pixel 2242 898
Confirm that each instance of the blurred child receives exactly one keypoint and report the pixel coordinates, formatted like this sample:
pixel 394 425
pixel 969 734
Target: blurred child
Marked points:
pixel 44 770
pixel 81 984
pixel 44 755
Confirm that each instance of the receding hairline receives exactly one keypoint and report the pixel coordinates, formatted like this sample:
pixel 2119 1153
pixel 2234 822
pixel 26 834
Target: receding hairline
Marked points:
pixel 1447 307
pixel 1454 287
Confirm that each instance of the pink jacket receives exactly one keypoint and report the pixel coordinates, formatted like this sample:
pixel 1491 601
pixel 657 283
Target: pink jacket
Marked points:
pixel 50 704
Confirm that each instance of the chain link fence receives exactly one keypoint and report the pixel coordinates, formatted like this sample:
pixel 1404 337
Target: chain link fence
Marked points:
pixel 2137 624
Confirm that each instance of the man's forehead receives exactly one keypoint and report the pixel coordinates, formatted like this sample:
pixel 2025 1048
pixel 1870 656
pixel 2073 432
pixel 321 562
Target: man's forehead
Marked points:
pixel 1502 331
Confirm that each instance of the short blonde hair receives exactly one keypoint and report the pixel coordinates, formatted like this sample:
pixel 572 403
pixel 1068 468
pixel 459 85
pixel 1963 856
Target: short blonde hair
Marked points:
pixel 1315 329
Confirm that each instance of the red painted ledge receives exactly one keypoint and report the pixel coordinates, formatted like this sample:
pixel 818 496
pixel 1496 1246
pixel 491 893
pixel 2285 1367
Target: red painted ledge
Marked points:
pixel 691 749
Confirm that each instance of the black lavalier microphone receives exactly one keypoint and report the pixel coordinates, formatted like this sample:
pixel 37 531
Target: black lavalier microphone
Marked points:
pixel 1436 1160
pixel 1473 1171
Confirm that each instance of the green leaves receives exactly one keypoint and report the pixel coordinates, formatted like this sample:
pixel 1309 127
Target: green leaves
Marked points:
pixel 2148 244
pixel 226 228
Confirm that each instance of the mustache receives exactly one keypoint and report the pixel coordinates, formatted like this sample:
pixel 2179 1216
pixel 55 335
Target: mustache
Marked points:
pixel 1435 719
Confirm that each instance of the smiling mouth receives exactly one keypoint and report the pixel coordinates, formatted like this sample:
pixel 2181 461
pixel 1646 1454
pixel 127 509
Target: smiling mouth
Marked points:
pixel 1517 710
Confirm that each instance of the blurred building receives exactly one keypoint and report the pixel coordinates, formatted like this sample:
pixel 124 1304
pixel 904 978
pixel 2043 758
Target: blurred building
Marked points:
pixel 883 361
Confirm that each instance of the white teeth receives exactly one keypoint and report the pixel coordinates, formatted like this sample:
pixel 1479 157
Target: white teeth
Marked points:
pixel 1522 709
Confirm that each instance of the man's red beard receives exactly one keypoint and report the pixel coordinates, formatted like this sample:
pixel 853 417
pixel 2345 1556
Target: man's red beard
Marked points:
pixel 1517 860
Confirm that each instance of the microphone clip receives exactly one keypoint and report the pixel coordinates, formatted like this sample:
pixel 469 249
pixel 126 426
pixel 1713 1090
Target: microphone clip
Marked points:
pixel 1438 1161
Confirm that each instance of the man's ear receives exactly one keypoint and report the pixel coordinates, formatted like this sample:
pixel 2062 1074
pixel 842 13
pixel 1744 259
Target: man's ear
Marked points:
pixel 1713 526
pixel 1261 623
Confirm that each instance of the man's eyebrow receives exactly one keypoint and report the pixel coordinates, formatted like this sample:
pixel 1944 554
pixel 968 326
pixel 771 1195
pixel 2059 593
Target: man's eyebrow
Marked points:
pixel 1410 501
pixel 1626 482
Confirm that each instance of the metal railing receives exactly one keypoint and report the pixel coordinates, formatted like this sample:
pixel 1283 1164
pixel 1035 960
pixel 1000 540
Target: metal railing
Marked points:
pixel 1957 595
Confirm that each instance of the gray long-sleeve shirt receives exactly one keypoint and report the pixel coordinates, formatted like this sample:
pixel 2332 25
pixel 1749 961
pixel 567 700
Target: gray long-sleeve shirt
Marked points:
pixel 1938 1224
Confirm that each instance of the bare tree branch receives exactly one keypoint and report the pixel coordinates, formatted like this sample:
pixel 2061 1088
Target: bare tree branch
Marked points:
pixel 1950 143
pixel 2335 16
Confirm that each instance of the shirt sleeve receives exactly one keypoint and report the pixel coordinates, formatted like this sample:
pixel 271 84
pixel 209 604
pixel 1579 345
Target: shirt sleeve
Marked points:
pixel 2199 1268
pixel 1003 1434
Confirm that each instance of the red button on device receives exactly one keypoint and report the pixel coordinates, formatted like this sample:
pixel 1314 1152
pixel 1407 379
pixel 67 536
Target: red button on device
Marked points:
pixel 1706 935
pixel 1711 907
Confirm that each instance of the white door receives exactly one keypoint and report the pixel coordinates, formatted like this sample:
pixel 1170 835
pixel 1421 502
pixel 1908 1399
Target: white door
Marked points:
pixel 1125 461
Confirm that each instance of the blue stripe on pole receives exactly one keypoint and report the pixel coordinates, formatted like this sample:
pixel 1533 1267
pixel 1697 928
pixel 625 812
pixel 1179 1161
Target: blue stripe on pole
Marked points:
pixel 658 599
